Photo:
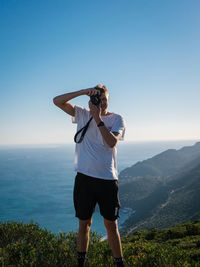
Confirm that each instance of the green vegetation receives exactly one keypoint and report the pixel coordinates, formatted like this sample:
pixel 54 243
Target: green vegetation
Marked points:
pixel 29 245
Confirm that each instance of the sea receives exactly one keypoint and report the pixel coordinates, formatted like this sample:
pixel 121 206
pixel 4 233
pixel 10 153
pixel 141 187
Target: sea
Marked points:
pixel 36 182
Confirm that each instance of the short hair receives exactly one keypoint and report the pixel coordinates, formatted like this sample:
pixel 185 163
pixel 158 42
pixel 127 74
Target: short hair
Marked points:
pixel 102 88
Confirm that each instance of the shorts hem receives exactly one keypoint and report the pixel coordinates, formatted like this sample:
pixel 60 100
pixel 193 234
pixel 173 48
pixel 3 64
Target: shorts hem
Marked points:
pixel 83 218
pixel 110 219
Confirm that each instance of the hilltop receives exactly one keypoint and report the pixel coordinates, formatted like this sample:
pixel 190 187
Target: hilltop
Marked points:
pixel 29 245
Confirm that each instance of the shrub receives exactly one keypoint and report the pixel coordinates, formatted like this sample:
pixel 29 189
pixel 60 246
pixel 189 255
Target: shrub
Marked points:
pixel 24 245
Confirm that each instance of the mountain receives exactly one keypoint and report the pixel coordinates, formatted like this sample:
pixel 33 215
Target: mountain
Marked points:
pixel 164 164
pixel 163 200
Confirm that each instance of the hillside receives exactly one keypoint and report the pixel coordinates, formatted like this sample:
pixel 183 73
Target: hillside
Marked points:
pixel 164 164
pixel 28 245
pixel 163 201
pixel 175 202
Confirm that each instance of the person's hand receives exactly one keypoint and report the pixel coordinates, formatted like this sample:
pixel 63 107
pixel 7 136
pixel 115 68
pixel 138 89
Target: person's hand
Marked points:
pixel 91 91
pixel 95 112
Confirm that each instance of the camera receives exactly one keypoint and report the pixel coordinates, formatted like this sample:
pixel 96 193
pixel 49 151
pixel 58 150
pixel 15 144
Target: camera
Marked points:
pixel 95 99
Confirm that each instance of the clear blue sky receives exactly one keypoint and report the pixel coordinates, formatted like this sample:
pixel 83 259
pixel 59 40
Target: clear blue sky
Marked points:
pixel 147 52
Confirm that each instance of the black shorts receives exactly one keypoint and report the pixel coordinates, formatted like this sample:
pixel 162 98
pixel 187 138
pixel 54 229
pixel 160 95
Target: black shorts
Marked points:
pixel 88 191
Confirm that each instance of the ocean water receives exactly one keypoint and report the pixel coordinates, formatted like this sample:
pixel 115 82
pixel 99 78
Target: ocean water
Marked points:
pixel 36 182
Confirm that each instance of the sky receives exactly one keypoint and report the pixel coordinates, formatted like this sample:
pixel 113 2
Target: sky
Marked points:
pixel 147 52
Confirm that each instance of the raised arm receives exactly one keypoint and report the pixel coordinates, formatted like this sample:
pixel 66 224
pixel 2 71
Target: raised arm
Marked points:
pixel 62 101
pixel 110 138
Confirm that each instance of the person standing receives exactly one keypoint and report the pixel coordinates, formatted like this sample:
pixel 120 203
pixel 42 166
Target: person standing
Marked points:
pixel 95 163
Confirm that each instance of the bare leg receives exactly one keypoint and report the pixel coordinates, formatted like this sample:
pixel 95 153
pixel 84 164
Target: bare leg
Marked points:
pixel 113 237
pixel 83 235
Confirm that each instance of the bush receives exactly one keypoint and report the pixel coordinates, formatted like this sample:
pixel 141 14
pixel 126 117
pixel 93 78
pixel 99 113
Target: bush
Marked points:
pixel 28 245
pixel 24 245
pixel 152 254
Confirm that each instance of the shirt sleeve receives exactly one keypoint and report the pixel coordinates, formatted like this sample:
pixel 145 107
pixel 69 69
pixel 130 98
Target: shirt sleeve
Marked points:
pixel 119 127
pixel 79 113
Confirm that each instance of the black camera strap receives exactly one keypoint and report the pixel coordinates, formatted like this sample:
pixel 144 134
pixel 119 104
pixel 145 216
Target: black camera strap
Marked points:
pixel 83 130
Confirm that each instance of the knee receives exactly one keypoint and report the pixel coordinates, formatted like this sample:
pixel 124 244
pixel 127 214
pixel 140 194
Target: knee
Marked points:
pixel 111 226
pixel 84 225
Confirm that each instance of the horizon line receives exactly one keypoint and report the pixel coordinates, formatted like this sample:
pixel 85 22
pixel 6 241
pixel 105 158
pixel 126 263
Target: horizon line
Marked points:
pixel 72 143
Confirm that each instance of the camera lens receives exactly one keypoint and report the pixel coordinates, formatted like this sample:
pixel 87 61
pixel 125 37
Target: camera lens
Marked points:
pixel 95 99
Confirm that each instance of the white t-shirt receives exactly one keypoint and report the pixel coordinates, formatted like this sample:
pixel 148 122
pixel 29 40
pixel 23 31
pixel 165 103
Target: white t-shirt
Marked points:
pixel 93 157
